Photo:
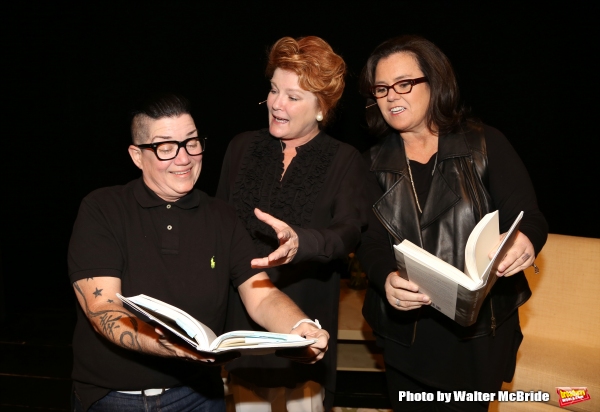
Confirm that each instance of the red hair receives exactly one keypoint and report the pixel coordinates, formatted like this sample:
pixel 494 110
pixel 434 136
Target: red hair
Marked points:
pixel 319 69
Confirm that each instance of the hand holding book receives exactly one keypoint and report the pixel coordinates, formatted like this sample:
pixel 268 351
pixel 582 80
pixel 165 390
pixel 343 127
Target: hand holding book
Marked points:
pixel 185 352
pixel 309 354
pixel 403 294
pixel 203 339
pixel 519 257
pixel 457 294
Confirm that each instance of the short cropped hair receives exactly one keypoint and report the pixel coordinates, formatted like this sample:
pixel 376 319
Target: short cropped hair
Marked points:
pixel 444 113
pixel 319 69
pixel 156 107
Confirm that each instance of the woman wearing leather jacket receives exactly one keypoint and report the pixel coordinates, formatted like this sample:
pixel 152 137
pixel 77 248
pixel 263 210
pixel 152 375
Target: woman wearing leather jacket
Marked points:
pixel 434 175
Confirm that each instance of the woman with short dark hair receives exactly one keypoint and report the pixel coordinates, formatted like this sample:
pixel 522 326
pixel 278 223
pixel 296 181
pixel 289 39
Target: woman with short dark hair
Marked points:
pixel 434 175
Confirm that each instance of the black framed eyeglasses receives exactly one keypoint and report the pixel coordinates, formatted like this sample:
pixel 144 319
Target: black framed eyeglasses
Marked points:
pixel 194 146
pixel 404 86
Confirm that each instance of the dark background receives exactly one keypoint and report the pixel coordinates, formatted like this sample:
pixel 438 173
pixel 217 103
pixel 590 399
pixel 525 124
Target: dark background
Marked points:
pixel 73 72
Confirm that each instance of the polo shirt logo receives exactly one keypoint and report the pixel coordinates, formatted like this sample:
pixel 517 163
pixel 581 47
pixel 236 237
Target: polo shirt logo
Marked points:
pixel 212 262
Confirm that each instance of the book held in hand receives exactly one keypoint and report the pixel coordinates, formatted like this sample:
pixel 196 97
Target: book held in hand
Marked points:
pixel 459 295
pixel 202 338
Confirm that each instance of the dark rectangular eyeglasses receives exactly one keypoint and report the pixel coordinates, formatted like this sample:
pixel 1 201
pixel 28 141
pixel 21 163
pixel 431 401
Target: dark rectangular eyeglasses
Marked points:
pixel 194 146
pixel 403 86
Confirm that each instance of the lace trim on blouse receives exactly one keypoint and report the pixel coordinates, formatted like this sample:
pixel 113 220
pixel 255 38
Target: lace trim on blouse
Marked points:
pixel 291 199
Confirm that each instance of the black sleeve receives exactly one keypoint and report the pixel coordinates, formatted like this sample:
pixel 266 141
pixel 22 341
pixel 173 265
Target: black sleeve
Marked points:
pixel 512 191
pixel 348 217
pixel 374 251
pixel 94 249
pixel 242 252
pixel 223 187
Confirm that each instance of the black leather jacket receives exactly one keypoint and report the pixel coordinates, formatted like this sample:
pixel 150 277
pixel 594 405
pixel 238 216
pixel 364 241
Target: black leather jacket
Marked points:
pixel 457 200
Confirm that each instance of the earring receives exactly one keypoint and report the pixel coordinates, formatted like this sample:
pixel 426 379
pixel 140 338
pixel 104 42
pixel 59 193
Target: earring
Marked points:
pixel 319 117
pixel 263 102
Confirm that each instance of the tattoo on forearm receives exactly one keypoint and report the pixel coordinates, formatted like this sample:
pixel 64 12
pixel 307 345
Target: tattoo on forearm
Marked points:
pixel 98 292
pixel 127 338
pixel 110 301
pixel 107 322
pixel 109 319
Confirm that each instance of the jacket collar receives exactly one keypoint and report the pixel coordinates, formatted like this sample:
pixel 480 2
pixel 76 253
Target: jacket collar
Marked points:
pixel 396 208
pixel 389 155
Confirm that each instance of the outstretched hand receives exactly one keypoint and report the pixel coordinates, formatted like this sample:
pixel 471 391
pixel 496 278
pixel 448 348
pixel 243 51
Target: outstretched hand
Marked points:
pixel 288 243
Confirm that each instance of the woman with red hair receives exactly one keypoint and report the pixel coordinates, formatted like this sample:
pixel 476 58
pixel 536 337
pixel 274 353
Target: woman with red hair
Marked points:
pixel 298 191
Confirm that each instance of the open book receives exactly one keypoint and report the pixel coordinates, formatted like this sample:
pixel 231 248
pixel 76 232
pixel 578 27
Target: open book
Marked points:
pixel 456 294
pixel 202 338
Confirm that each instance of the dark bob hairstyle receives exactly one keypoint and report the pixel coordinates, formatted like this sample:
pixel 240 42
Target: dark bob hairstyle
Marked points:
pixel 444 114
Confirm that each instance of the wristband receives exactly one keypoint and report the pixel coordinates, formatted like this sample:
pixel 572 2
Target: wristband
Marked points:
pixel 316 323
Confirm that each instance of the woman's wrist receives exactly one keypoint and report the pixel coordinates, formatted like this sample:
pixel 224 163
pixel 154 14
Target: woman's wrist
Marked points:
pixel 309 321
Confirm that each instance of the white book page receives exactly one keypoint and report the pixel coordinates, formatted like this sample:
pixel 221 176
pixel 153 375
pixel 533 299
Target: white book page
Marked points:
pixel 164 321
pixel 440 289
pixel 488 244
pixel 247 339
pixel 195 329
pixel 503 247
pixel 482 239
pixel 435 264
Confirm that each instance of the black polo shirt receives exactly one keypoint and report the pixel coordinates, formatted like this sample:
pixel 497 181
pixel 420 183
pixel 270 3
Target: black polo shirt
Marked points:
pixel 185 253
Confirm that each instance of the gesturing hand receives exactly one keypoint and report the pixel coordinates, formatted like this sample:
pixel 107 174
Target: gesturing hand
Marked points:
pixel 288 243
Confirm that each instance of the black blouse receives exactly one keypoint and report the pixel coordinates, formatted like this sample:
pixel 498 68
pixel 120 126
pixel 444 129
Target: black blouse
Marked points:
pixel 321 196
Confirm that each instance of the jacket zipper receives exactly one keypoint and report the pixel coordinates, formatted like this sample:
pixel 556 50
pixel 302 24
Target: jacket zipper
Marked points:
pixel 493 325
pixel 415 329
